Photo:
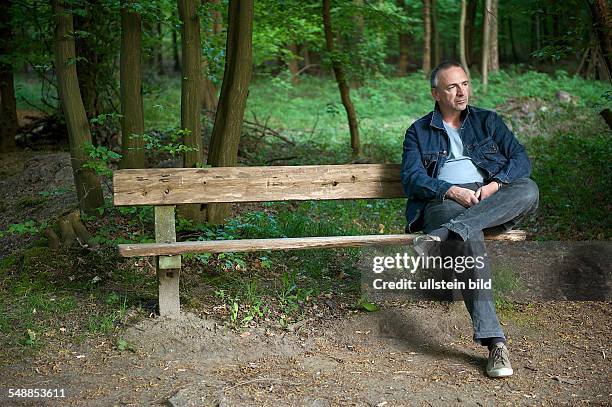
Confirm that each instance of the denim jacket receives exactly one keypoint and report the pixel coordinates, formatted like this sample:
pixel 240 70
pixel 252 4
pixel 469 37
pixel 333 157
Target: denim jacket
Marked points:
pixel 487 141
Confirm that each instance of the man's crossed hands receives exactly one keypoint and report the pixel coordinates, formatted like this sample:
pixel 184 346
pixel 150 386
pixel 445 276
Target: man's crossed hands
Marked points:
pixel 468 198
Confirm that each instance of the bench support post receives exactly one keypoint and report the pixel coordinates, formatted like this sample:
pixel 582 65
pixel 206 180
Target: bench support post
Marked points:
pixel 168 267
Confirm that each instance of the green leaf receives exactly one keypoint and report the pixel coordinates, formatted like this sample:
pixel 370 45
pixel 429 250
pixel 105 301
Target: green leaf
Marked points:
pixel 368 306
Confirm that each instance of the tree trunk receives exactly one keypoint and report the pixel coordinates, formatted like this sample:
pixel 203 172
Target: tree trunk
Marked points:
pixel 602 26
pixel 341 80
pixel 8 105
pixel 512 43
pixel 493 36
pixel 130 77
pixel 462 37
pixel 209 91
pixel 485 44
pixel 89 191
pixel 405 40
pixel 225 138
pixel 191 84
pixel 437 52
pixel 470 31
pixel 217 18
pixel 426 37
pixel 293 63
pixel 159 55
pixel 175 52
pixel 191 96
pixel 86 65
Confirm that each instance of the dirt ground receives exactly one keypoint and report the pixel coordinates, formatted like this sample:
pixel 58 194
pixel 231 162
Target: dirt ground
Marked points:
pixel 407 354
pixel 418 354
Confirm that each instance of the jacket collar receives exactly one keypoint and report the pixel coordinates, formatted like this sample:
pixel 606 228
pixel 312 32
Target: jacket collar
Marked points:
pixel 436 117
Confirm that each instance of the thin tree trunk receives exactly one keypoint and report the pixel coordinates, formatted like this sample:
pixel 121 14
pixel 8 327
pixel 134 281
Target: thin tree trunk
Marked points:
pixel 512 43
pixel 175 52
pixel 293 63
pixel 462 37
pixel 159 55
pixel 191 95
pixel 493 37
pixel 470 31
pixel 426 37
pixel 130 74
pixel 8 105
pixel 225 138
pixel 217 18
pixel 341 80
pixel 209 91
pixel 485 44
pixel 89 191
pixel 87 64
pixel 405 39
pixel 437 52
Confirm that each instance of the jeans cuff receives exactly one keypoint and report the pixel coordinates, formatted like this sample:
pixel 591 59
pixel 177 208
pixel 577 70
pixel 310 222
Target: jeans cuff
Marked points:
pixel 459 228
pixel 484 335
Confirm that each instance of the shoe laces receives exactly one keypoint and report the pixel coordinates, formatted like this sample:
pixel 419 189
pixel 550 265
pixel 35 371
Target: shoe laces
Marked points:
pixel 498 355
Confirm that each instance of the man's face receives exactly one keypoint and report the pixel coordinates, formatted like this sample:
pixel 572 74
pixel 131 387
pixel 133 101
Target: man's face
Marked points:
pixel 453 90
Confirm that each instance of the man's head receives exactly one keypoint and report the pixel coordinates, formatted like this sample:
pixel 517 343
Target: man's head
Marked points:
pixel 450 86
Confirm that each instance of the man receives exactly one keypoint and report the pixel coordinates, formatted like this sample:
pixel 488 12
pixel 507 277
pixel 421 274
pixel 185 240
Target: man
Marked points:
pixel 464 171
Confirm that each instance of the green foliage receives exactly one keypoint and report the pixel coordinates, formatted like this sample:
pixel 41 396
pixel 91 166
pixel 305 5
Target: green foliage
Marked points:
pixel 29 227
pixel 100 158
pixel 170 142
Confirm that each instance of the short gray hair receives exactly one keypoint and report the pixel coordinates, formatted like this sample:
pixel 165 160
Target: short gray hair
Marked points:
pixel 433 78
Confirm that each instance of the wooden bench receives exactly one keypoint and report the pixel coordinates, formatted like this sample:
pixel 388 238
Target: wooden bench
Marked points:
pixel 167 187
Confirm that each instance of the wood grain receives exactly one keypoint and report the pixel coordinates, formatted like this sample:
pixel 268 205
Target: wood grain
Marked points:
pixel 251 245
pixel 169 186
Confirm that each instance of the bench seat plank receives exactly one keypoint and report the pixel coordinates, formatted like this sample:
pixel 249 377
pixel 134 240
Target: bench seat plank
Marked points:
pixel 251 245
pixel 170 186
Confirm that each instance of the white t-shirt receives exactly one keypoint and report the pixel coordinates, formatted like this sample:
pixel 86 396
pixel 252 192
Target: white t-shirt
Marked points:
pixel 458 168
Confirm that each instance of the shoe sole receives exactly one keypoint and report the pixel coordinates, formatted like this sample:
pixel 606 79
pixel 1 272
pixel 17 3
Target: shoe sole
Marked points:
pixel 423 247
pixel 503 372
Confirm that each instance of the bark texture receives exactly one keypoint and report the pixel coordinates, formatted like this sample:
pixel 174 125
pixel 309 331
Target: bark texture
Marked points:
pixel 191 84
pixel 89 191
pixel 493 37
pixel 485 44
pixel 602 25
pixel 341 80
pixel 426 37
pixel 462 51
pixel 130 72
pixel 227 129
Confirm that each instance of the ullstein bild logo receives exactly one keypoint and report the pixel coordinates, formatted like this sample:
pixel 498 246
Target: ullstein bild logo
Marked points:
pixel 431 284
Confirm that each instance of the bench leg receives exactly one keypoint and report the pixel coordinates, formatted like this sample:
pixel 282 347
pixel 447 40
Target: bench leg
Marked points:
pixel 168 267
pixel 168 284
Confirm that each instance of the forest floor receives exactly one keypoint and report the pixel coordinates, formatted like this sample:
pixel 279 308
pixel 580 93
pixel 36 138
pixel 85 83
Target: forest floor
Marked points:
pixel 418 353
pixel 415 354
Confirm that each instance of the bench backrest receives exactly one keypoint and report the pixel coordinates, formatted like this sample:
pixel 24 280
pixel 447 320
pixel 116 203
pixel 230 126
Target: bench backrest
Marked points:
pixel 171 186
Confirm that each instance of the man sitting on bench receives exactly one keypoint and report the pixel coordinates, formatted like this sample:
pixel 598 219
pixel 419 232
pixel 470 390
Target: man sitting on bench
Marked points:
pixel 464 171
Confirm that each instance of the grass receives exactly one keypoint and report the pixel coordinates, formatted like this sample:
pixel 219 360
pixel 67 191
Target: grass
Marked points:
pixel 568 144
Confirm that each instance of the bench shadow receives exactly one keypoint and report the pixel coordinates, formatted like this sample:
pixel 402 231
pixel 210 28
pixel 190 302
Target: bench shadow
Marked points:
pixel 412 335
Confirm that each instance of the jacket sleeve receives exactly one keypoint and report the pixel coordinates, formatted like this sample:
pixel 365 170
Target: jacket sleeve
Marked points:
pixel 518 165
pixel 415 181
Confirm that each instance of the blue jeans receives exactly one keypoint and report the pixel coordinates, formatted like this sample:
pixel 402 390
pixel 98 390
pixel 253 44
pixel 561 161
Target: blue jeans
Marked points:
pixel 499 212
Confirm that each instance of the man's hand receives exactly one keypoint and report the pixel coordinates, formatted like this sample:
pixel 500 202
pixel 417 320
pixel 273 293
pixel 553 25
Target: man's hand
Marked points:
pixel 486 191
pixel 464 196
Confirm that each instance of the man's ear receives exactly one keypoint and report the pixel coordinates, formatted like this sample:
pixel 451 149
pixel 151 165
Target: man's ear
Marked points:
pixel 435 94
